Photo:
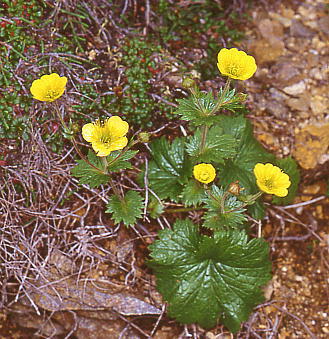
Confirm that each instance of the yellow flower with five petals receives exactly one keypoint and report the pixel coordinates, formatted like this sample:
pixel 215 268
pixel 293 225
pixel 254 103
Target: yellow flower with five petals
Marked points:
pixel 204 173
pixel 106 136
pixel 49 87
pixel 236 64
pixel 270 179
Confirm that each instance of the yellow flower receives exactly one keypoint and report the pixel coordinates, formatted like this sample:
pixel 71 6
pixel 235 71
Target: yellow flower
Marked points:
pixel 48 87
pixel 270 179
pixel 204 173
pixel 236 64
pixel 106 136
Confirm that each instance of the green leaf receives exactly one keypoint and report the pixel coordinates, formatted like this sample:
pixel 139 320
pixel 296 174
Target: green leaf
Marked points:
pixel 249 153
pixel 88 174
pixel 155 208
pixel 193 193
pixel 289 166
pixel 116 163
pixel 127 210
pixel 231 101
pixel 233 210
pixel 218 146
pixel 170 168
pixel 197 109
pixel 205 278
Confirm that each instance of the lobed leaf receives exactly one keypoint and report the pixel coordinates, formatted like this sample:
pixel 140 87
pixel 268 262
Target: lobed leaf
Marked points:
pixel 231 101
pixel 193 193
pixel 218 146
pixel 197 109
pixel 233 210
pixel 249 153
pixel 117 162
pixel 127 210
pixel 89 175
pixel 205 278
pixel 170 168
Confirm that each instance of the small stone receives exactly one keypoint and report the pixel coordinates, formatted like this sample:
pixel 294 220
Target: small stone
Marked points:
pixel 316 73
pixel 312 58
pixel 307 12
pixel 318 44
pixel 323 24
pixel 274 49
pixel 295 89
pixel 285 71
pixel 319 105
pixel 287 12
pixel 325 330
pixel 299 278
pixel 277 109
pixel 277 95
pixel 301 103
pixel 270 29
pixel 286 22
pixel 298 30
pixel 311 143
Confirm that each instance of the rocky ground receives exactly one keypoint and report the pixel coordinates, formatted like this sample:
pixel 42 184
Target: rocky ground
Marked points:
pixel 290 111
pixel 290 90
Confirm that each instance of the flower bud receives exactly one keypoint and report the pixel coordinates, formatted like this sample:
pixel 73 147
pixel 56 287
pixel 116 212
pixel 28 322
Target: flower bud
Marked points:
pixel 234 188
pixel 75 128
pixel 242 97
pixel 143 137
pixel 188 83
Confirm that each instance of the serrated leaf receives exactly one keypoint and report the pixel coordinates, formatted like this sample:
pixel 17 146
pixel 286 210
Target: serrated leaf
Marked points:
pixel 117 163
pixel 170 168
pixel 289 166
pixel 231 101
pixel 197 109
pixel 127 210
pixel 88 174
pixel 205 278
pixel 249 152
pixel 233 215
pixel 218 146
pixel 193 193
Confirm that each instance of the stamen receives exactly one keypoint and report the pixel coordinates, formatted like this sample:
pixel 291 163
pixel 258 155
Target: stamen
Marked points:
pixel 51 94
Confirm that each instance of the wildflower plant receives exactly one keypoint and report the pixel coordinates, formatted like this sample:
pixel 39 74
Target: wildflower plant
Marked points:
pixel 221 170
pixel 211 271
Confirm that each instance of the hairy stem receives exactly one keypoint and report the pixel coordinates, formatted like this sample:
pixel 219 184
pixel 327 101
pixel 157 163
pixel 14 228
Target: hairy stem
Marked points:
pixel 221 98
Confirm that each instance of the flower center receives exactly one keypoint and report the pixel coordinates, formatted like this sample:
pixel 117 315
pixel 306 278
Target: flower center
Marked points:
pixel 104 136
pixel 51 94
pixel 204 176
pixel 234 70
pixel 269 183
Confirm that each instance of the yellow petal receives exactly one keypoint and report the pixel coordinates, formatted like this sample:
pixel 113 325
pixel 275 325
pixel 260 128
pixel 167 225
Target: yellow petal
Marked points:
pixel 119 143
pixel 88 131
pixel 258 170
pixel 282 192
pixel 101 149
pixel 37 90
pixel 116 126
